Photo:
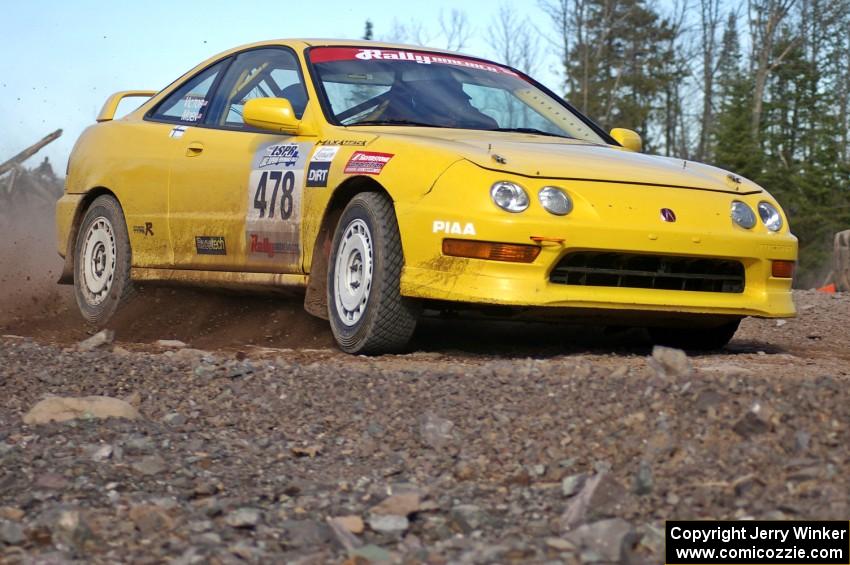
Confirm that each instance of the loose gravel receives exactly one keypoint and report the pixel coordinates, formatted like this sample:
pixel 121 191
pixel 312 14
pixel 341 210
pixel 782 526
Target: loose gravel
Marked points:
pixel 485 445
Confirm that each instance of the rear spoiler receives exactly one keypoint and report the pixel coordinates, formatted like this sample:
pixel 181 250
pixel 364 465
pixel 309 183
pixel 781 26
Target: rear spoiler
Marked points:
pixel 111 104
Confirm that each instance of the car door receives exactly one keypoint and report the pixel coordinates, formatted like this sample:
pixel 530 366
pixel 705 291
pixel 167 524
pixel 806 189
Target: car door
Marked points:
pixel 235 192
pixel 178 115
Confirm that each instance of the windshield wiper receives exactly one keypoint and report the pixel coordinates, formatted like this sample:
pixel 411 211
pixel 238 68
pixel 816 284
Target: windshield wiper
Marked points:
pixel 531 130
pixel 394 123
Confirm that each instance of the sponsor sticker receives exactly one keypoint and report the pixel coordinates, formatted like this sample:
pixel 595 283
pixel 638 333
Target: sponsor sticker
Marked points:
pixel 280 155
pixel 177 132
pixel 367 163
pixel 317 174
pixel 328 54
pixel 454 228
pixel 260 243
pixel 210 245
pixel 325 154
pixel 342 142
pixel 144 230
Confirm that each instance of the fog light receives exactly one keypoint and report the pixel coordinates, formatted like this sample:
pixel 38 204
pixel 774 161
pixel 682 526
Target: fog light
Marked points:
pixel 515 253
pixel 783 269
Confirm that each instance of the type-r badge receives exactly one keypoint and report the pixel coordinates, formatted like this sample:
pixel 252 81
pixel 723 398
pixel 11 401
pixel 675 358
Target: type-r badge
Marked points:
pixel 668 215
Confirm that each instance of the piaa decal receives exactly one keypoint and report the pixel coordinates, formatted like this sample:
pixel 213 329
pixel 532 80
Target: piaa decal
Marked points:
pixel 454 228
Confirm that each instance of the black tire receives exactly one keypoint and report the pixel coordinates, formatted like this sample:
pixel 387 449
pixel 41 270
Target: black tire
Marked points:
pixel 377 319
pixel 695 339
pixel 98 307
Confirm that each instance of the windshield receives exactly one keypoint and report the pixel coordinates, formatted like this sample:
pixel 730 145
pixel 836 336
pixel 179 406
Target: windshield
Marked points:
pixel 392 87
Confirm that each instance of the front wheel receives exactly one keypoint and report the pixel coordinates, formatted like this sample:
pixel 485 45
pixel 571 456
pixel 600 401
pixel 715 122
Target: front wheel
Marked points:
pixel 695 339
pixel 102 261
pixel 367 313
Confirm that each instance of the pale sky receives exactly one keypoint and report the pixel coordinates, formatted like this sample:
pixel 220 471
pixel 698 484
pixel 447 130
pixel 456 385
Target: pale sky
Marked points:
pixel 60 59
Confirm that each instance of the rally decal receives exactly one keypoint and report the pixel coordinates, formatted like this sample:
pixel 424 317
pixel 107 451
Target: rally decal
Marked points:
pixel 328 54
pixel 367 163
pixel 275 186
pixel 320 166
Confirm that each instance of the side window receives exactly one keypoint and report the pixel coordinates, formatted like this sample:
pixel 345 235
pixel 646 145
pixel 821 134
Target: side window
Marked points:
pixel 189 104
pixel 260 73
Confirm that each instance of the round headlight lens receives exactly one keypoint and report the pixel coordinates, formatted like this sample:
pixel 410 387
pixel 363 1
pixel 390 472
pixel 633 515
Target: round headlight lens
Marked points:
pixel 555 201
pixel 509 196
pixel 743 215
pixel 770 216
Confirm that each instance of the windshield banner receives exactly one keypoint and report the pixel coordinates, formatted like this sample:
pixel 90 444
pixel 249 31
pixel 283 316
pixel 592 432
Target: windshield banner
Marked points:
pixel 328 54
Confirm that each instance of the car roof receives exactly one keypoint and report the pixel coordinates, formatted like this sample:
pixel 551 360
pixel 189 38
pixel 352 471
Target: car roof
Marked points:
pixel 326 42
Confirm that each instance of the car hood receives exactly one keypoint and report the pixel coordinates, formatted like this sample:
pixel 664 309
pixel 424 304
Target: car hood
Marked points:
pixel 555 158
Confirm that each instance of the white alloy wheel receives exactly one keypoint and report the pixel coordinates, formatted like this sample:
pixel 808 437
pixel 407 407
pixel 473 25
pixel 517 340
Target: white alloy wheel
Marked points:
pixel 98 261
pixel 354 264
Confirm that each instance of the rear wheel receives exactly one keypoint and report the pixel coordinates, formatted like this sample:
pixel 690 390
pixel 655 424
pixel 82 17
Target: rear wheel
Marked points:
pixel 696 339
pixel 367 313
pixel 102 261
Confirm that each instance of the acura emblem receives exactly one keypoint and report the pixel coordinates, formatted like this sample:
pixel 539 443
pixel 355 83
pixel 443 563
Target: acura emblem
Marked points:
pixel 668 215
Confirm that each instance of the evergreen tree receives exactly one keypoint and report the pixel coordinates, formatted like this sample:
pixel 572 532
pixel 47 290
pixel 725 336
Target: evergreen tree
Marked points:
pixel 734 146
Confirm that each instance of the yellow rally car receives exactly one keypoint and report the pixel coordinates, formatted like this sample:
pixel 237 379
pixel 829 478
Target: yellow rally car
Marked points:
pixel 385 179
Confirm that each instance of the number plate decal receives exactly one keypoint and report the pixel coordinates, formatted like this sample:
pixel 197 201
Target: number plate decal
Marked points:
pixel 275 188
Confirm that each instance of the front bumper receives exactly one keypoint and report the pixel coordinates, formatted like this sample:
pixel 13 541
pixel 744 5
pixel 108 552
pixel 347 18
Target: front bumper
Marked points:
pixel 617 219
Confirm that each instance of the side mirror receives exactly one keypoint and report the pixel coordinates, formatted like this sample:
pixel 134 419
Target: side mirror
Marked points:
pixel 630 140
pixel 273 114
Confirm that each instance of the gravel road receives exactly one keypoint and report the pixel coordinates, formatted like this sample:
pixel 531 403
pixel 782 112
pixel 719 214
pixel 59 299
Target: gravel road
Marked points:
pixel 489 443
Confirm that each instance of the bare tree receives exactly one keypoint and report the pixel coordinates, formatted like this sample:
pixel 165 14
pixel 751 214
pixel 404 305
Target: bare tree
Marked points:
pixel 710 16
pixel 766 19
pixel 674 95
pixel 455 29
pixel 559 12
pixel 413 32
pixel 514 41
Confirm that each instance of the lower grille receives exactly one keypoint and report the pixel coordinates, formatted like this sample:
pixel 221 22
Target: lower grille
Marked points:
pixel 633 270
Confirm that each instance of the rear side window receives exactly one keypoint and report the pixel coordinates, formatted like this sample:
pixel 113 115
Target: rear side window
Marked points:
pixel 189 104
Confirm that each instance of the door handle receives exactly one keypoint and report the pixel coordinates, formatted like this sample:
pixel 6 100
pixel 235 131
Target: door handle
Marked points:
pixel 194 149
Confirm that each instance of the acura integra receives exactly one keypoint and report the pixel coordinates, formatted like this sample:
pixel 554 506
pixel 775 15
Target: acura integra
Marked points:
pixel 385 180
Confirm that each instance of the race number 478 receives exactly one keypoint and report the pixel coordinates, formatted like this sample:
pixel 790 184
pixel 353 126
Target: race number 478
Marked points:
pixel 283 182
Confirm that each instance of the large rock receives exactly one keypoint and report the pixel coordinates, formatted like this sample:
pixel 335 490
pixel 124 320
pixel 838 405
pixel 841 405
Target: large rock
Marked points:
pixel 243 518
pixel 62 409
pixel 758 420
pixel 669 362
pixel 388 523
pixel 150 519
pixel 397 505
pixel 600 497
pixel 101 338
pixel 11 533
pixel 436 432
pixel 608 541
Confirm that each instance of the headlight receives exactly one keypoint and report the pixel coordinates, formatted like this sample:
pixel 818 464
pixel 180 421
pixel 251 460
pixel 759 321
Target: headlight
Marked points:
pixel 770 216
pixel 555 201
pixel 509 196
pixel 743 215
